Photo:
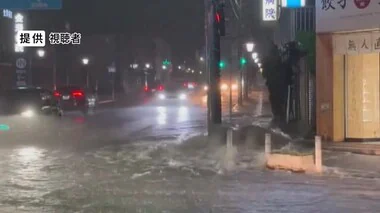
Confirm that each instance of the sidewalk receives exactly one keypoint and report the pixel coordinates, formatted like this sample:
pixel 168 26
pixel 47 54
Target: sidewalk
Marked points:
pixel 347 159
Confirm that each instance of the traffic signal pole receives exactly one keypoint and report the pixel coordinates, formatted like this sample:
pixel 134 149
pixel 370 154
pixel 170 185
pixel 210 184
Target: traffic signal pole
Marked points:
pixel 215 69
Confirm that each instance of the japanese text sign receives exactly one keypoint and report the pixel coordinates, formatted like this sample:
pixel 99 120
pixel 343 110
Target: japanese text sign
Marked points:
pixel 357 43
pixel 347 15
pixel 270 10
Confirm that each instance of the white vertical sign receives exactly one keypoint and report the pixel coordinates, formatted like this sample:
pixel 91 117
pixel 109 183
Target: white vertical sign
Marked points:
pixel 270 10
pixel 19 26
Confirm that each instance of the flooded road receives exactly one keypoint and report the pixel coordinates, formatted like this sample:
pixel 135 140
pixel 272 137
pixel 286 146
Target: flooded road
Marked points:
pixel 155 158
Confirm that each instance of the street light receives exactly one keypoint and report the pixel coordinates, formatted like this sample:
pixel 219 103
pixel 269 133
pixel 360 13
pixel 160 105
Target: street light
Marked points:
pixel 249 46
pixel 255 55
pixel 192 71
pixel 85 61
pixel 200 72
pixel 259 64
pixel 147 66
pixel 164 67
pixel 179 67
pixel 256 60
pixel 201 58
pixel 41 53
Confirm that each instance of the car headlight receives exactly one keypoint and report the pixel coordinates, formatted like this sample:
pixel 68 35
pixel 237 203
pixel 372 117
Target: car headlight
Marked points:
pixel 161 96
pixel 182 96
pixel 27 113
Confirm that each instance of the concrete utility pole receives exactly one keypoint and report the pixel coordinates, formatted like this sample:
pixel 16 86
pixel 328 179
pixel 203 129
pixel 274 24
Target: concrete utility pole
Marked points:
pixel 240 53
pixel 218 28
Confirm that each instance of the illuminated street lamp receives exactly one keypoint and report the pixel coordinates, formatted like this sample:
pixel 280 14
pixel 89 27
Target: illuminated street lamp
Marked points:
pixel 256 60
pixel 259 64
pixel 41 53
pixel 255 55
pixel 164 67
pixel 179 67
pixel 200 72
pixel 147 66
pixel 249 46
pixel 192 71
pixel 85 61
pixel 201 58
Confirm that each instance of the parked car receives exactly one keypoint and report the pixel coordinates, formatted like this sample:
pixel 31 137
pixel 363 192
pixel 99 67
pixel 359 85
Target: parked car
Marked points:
pixel 73 98
pixel 27 101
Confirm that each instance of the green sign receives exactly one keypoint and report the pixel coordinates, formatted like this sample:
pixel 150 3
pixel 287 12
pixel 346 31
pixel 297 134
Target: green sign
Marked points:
pixel 222 64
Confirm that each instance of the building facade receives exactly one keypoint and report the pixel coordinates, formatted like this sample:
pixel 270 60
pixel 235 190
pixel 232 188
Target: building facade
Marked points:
pixel 348 74
pixel 6 48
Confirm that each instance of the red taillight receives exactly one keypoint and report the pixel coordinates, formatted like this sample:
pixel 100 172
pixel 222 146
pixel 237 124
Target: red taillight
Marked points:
pixel 77 94
pixel 56 94
pixel 146 88
pixel 160 88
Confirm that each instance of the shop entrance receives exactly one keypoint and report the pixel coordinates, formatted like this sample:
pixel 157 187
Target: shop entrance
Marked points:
pixel 362 96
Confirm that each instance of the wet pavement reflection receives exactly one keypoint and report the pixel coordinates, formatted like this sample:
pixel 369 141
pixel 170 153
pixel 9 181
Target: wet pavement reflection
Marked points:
pixel 153 157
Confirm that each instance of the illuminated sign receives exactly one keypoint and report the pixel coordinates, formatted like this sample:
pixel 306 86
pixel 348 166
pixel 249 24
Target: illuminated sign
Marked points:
pixel 293 3
pixel 19 26
pixel 270 11
pixel 7 14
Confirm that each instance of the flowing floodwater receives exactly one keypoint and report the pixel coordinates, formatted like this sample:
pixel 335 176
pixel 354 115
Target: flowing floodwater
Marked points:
pixel 156 159
pixel 170 176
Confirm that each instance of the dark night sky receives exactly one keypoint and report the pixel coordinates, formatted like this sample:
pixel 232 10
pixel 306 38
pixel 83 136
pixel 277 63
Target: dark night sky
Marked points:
pixel 179 22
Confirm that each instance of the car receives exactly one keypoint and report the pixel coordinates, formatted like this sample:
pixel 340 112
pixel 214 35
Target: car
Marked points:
pixel 172 91
pixel 27 101
pixel 72 98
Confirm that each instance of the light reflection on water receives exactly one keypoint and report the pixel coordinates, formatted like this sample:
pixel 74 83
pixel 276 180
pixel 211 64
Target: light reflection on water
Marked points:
pixel 162 115
pixel 183 114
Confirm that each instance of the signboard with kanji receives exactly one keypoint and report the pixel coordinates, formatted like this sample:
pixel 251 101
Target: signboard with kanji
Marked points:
pixel 347 15
pixel 270 10
pixel 357 43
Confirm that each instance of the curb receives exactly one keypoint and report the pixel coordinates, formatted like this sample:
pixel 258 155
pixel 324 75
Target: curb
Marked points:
pixel 356 148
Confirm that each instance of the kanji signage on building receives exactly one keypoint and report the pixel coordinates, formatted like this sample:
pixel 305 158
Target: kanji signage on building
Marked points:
pixel 357 43
pixel 347 15
pixel 270 10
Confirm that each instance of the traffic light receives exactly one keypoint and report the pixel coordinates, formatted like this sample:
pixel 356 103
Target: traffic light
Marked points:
pixel 243 61
pixel 220 19
pixel 166 62
pixel 222 64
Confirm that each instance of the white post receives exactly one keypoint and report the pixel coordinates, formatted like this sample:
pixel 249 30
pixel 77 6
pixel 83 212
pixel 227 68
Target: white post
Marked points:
pixel 268 145
pixel 318 153
pixel 230 138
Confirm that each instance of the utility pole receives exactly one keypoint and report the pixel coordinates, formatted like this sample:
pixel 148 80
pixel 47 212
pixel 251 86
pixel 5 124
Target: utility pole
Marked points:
pixel 214 74
pixel 240 53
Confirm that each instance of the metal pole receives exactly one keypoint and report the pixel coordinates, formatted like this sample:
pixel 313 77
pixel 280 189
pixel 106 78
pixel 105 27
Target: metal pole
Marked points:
pixel 113 86
pixel 230 101
pixel 87 78
pixel 55 69
pixel 30 80
pixel 207 60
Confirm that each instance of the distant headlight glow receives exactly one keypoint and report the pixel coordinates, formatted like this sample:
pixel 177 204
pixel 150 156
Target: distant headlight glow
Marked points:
pixel 205 88
pixel 224 87
pixel 234 87
pixel 161 96
pixel 28 113
pixel 182 96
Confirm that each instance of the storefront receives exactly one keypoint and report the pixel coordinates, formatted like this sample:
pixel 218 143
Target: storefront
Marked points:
pixel 348 70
